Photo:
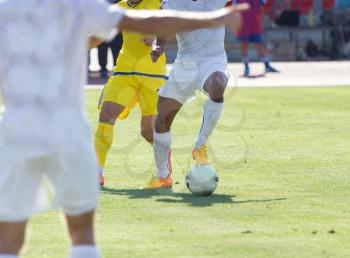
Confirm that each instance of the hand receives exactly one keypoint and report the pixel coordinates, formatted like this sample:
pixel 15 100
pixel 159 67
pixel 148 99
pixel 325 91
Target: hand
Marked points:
pixel 148 41
pixel 157 51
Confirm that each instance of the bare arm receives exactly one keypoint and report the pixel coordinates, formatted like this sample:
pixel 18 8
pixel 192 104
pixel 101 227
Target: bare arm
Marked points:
pixel 165 23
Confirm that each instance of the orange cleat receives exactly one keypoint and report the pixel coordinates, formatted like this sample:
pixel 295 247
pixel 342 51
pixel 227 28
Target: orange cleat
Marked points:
pixel 159 183
pixel 200 155
pixel 162 183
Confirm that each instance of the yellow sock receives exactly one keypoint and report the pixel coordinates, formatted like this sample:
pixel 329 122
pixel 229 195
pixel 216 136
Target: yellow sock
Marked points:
pixel 103 142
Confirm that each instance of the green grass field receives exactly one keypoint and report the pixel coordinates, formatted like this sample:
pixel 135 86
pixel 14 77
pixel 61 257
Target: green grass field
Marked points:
pixel 283 157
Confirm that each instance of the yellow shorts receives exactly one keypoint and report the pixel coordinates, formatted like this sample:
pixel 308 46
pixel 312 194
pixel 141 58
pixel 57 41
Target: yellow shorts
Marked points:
pixel 128 89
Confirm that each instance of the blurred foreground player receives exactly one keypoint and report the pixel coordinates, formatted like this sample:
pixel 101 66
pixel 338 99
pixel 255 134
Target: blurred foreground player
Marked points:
pixel 251 33
pixel 43 128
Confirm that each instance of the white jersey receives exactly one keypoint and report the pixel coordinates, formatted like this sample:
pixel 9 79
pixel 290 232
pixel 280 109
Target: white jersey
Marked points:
pixel 204 44
pixel 43 69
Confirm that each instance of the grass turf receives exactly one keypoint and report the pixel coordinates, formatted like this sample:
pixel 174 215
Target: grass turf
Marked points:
pixel 283 160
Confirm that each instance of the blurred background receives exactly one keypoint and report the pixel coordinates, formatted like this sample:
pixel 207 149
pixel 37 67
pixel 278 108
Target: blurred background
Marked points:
pixel 294 30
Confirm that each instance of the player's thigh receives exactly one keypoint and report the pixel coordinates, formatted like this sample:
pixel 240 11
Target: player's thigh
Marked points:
pixel 182 83
pixel 20 181
pixel 74 178
pixel 148 95
pixel 118 94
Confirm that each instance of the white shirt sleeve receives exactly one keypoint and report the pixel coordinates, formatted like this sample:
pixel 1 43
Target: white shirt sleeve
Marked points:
pixel 101 18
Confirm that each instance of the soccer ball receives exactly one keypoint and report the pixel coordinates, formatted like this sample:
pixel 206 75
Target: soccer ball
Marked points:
pixel 202 180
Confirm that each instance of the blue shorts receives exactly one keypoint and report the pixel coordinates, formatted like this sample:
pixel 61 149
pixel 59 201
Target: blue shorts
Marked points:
pixel 255 38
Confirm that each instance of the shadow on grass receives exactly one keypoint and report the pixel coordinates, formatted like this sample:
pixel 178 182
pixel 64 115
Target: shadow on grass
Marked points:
pixel 253 76
pixel 183 198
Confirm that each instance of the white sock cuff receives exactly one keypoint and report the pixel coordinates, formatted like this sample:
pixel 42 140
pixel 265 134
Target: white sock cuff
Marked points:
pixel 162 137
pixel 8 256
pixel 214 106
pixel 84 251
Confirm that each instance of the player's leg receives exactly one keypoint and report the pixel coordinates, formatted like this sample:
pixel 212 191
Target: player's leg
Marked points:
pixel 215 87
pixel 167 110
pixel 264 57
pixel 81 232
pixel 102 52
pixel 245 58
pixel 11 238
pixel 116 45
pixel 148 99
pixel 19 184
pixel 105 132
pixel 77 203
pixel 117 95
pixel 147 127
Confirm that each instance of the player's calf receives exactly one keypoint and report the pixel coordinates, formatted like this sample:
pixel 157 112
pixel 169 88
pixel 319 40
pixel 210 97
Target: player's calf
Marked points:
pixel 167 110
pixel 147 135
pixel 147 127
pixel 81 228
pixel 81 232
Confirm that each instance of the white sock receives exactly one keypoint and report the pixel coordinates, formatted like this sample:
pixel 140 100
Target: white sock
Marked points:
pixel 84 251
pixel 161 146
pixel 8 256
pixel 212 112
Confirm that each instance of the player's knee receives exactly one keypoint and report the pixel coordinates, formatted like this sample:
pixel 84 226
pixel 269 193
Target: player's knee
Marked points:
pixel 109 112
pixel 107 115
pixel 147 135
pixel 216 86
pixel 216 93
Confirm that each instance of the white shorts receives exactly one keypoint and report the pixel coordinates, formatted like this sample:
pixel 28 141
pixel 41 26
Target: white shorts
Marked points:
pixel 72 175
pixel 185 79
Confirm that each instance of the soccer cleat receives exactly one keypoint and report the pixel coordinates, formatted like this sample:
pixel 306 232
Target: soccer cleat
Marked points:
pixel 270 69
pixel 200 155
pixel 101 180
pixel 162 183
pixel 159 183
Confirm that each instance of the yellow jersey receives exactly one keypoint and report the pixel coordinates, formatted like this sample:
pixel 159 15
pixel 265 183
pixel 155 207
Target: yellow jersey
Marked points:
pixel 135 56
